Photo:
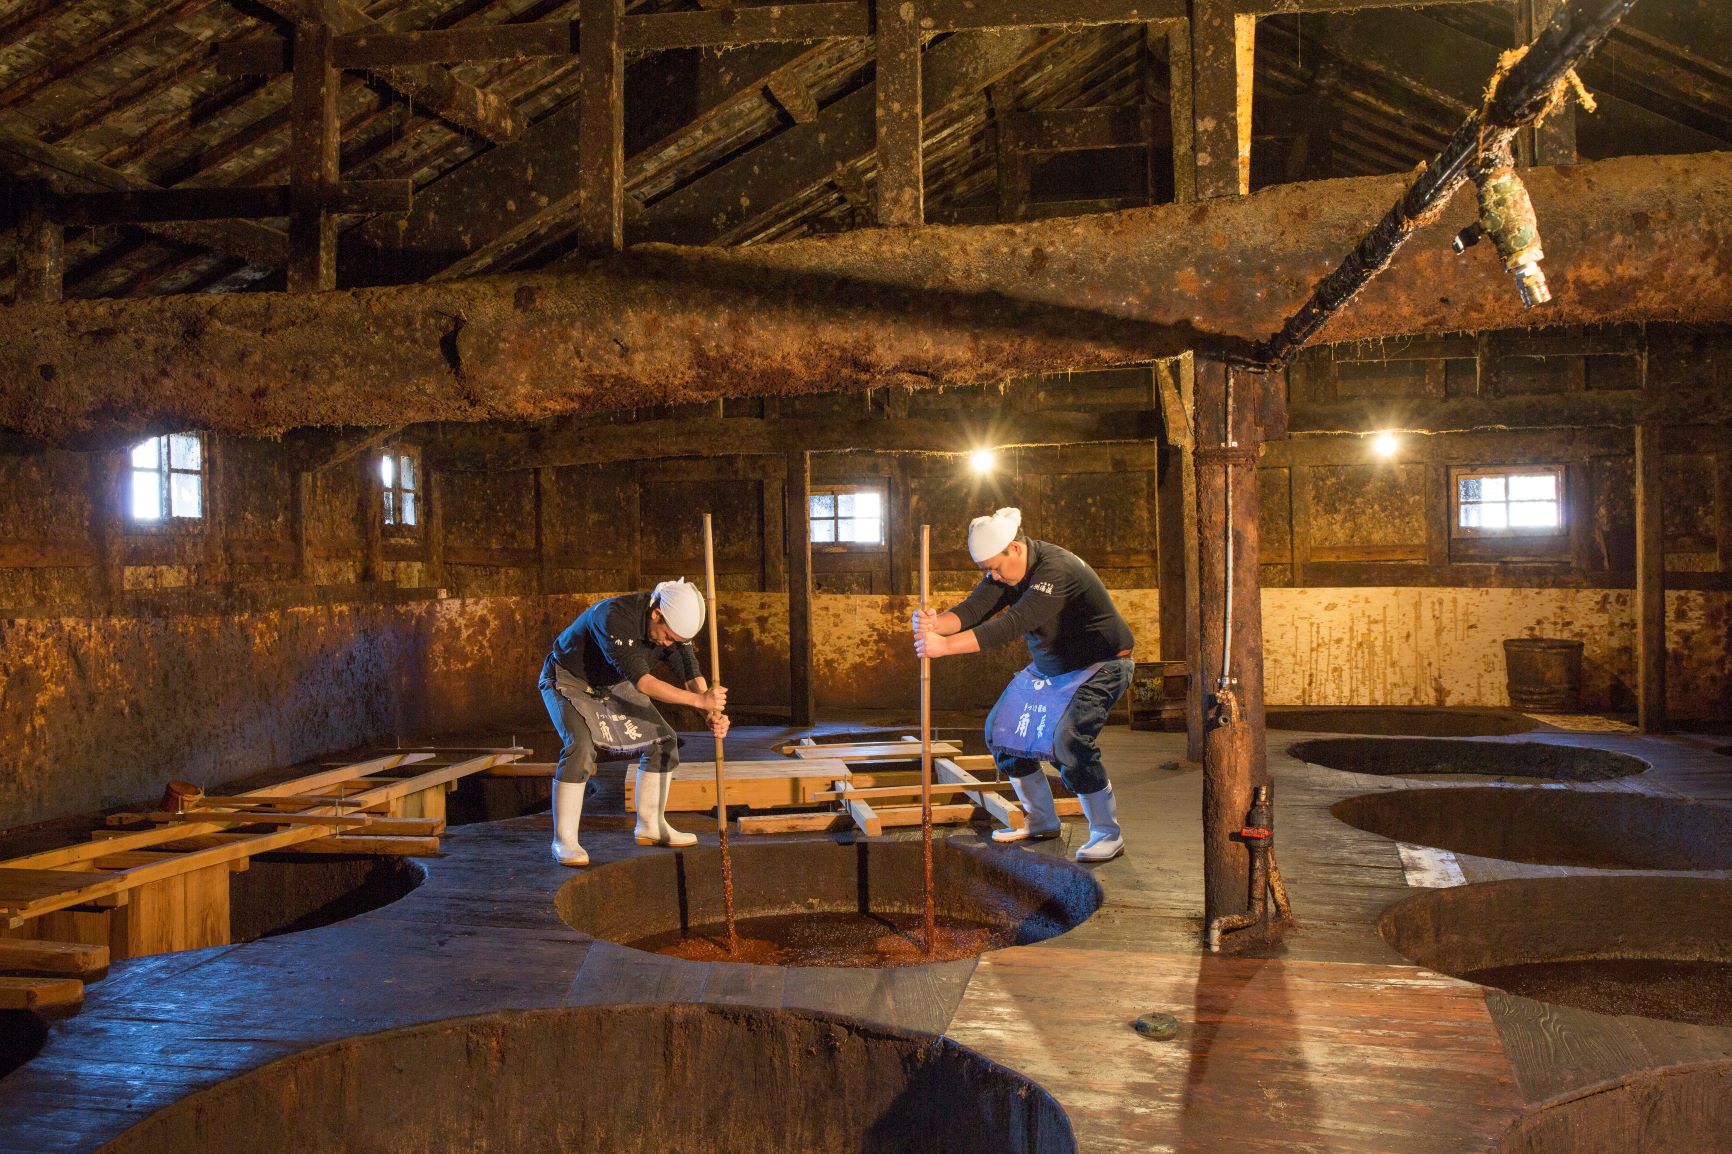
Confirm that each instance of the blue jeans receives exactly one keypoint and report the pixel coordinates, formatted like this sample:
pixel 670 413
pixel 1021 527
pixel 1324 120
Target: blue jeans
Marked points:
pixel 1073 742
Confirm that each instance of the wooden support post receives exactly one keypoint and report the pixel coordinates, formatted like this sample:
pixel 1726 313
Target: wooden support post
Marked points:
pixel 41 250
pixel 901 202
pixel 802 710
pixel 372 523
pixel 1228 439
pixel 1011 160
pixel 901 527
pixel 313 163
pixel 1181 105
pixel 542 555
pixel 1221 51
pixel 1650 583
pixel 1176 552
pixel 1554 141
pixel 433 515
pixel 601 128
pixel 301 496
pixel 107 496
pixel 774 562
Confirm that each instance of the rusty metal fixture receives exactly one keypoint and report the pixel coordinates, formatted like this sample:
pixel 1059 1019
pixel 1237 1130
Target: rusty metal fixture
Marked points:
pixel 1258 834
pixel 1506 214
pixel 1521 96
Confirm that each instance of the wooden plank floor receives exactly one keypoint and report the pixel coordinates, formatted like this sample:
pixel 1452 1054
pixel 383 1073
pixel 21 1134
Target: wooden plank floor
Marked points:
pixel 1337 1044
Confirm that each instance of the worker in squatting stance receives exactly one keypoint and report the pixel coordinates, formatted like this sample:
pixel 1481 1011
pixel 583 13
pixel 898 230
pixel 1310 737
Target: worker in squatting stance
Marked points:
pixel 1055 708
pixel 600 690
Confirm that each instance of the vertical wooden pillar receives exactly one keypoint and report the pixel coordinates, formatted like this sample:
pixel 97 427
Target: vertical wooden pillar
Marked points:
pixel 1009 158
pixel 433 525
pixel 1228 434
pixel 41 251
pixel 107 496
pixel 542 559
pixel 801 700
pixel 313 163
pixel 1650 583
pixel 372 521
pixel 1553 142
pixel 1221 52
pixel 1181 106
pixel 901 202
pixel 775 543
pixel 901 521
pixel 301 495
pixel 601 128
pixel 1176 508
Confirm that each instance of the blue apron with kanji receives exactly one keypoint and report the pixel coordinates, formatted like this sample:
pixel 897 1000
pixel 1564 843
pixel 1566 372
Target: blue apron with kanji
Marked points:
pixel 621 719
pixel 1028 711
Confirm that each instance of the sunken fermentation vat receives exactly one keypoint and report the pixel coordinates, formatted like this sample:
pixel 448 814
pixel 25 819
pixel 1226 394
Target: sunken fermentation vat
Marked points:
pixel 285 893
pixel 1680 1111
pixel 620 1080
pixel 1400 721
pixel 1594 830
pixel 1657 947
pixel 1422 756
pixel 821 902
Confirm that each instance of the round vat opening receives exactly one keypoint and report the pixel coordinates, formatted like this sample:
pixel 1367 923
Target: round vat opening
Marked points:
pixel 285 893
pixel 1654 947
pixel 1680 1111
pixel 1594 830
pixel 22 1034
pixel 1496 760
pixel 823 903
pixel 620 1080
pixel 1400 721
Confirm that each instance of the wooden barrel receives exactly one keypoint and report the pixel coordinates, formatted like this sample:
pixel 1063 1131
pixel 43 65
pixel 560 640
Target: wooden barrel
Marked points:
pixel 1545 674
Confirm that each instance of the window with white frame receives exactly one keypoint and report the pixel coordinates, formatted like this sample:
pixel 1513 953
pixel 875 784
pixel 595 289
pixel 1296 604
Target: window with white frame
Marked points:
pixel 168 475
pixel 400 477
pixel 847 515
pixel 1525 500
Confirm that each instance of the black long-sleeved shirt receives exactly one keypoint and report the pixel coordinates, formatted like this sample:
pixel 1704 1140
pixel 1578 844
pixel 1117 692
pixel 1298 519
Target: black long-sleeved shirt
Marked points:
pixel 1060 606
pixel 609 643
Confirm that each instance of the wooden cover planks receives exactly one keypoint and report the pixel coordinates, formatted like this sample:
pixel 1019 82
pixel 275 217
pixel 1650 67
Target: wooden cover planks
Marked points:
pixel 753 784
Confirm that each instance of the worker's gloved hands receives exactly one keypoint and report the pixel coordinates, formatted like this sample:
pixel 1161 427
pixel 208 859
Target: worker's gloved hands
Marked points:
pixel 925 621
pixel 719 724
pixel 714 699
pixel 931 645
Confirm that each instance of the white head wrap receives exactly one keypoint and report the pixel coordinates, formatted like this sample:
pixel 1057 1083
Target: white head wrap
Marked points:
pixel 682 606
pixel 987 536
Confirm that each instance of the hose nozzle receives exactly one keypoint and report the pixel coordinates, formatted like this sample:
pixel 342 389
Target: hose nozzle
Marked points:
pixel 1506 214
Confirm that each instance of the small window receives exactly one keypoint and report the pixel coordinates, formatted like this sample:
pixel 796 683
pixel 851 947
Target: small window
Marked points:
pixel 400 476
pixel 168 478
pixel 1525 500
pixel 846 515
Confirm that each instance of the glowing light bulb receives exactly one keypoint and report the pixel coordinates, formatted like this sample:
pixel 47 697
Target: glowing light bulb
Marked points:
pixel 983 460
pixel 1385 444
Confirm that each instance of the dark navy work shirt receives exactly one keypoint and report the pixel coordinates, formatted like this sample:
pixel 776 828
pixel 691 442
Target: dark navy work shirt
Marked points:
pixel 609 643
pixel 1061 608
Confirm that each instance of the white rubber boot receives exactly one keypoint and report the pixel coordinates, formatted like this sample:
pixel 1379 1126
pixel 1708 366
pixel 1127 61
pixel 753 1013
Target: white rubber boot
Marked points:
pixel 1106 841
pixel 567 809
pixel 652 819
pixel 1035 793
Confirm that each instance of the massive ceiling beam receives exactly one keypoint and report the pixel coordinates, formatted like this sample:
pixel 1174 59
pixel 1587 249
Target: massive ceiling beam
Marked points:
pixel 1634 239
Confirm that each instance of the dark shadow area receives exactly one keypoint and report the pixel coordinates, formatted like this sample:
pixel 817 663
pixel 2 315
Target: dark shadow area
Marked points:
pixel 1417 756
pixel 22 1034
pixel 1400 721
pixel 1679 1111
pixel 1628 831
pixel 286 893
pixel 832 903
pixel 578 1080
pixel 1655 947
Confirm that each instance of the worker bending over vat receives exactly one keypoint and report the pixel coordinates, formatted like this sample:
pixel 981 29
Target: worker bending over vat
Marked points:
pixel 1055 708
pixel 600 692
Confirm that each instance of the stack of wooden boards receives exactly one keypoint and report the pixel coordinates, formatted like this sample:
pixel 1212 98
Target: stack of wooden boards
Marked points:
pixel 155 881
pixel 870 786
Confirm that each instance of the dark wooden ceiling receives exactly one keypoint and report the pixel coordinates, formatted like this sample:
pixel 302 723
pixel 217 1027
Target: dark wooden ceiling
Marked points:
pixel 749 144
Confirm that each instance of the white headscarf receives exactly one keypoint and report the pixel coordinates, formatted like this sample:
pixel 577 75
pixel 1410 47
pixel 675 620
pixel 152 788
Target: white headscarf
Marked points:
pixel 987 536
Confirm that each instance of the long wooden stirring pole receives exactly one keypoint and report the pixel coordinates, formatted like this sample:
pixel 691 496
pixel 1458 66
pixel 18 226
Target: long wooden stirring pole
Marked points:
pixel 926 747
pixel 721 792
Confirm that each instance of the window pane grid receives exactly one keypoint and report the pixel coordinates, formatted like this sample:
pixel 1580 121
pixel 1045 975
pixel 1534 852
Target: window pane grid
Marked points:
pixel 167 478
pixel 398 476
pixel 846 517
pixel 1501 502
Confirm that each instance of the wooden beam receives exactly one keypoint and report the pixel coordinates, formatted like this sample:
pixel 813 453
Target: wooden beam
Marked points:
pixel 801 708
pixel 1650 607
pixel 1552 141
pixel 434 527
pixel 67 173
pixel 427 86
pixel 52 996
pixel 314 152
pixel 47 959
pixel 107 496
pixel 896 86
pixel 144 206
pixel 863 309
pixel 946 790
pixel 959 15
pixel 859 811
pixel 1082 129
pixel 601 129
pixel 1223 42
pixel 41 250
pixel 495 448
pixel 654 32
pixel 378 48
pixel 1005 813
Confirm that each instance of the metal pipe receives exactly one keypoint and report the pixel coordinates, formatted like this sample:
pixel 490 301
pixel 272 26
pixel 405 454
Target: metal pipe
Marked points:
pixel 1259 838
pixel 1522 95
